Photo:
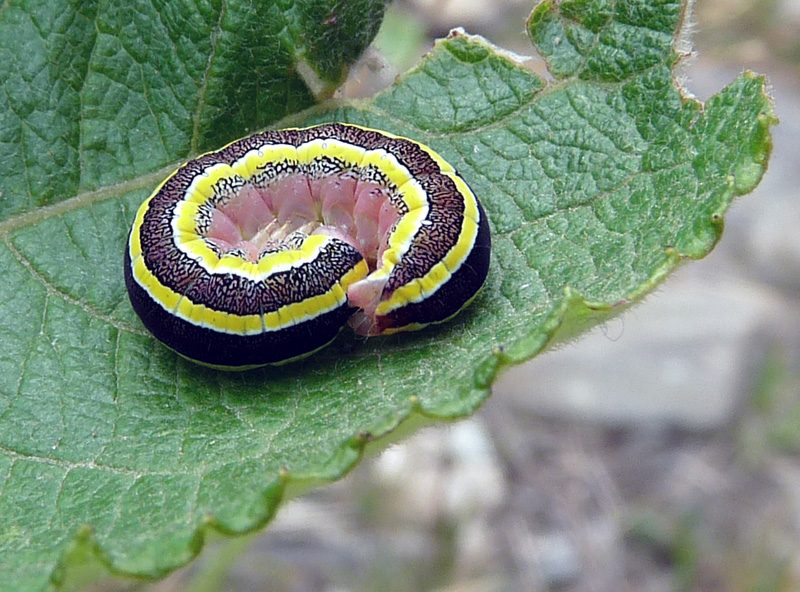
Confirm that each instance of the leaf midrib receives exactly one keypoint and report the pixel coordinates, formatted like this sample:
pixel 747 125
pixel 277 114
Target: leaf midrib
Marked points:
pixel 145 181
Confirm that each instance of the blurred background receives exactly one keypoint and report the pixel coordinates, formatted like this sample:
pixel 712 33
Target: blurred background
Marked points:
pixel 658 454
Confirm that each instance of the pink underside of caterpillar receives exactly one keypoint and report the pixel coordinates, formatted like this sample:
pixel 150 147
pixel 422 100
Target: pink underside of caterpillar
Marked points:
pixel 359 213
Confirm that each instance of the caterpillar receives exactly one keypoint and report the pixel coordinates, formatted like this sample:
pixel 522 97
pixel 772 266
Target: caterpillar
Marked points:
pixel 260 252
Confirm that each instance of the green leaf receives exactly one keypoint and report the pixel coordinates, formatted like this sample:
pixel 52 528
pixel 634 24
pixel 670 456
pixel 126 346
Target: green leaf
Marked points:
pixel 115 452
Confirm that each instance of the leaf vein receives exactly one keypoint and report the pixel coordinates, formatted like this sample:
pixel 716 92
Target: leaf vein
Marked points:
pixel 82 104
pixel 53 290
pixel 201 95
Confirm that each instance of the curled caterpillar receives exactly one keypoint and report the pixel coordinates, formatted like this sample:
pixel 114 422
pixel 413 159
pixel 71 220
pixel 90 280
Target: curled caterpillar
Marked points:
pixel 260 252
